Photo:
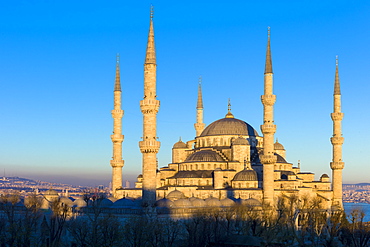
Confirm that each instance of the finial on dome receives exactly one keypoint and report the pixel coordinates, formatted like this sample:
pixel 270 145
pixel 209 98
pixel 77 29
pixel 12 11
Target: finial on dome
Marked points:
pixel 180 139
pixel 229 114
pixel 299 164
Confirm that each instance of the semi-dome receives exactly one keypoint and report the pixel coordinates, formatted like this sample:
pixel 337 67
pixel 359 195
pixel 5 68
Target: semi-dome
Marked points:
pixel 246 175
pixel 179 144
pixel 194 174
pixel 240 141
pixel 229 126
pixel 204 156
pixel 280 159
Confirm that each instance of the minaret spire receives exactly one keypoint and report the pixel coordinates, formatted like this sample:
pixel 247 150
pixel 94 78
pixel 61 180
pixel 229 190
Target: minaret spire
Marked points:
pixel 149 106
pixel 268 64
pixel 117 137
pixel 150 48
pixel 337 140
pixel 199 125
pixel 268 128
pixel 117 85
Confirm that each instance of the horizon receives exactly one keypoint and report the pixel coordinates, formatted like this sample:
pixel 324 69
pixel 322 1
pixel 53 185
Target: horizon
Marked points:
pixel 57 74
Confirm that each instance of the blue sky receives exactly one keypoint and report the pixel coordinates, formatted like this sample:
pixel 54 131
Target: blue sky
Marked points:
pixel 57 69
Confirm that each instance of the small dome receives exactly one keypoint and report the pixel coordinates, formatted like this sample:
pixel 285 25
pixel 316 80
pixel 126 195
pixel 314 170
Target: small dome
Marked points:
pixel 227 202
pixel 182 203
pixel 278 146
pixel 80 203
pixel 213 202
pixel 192 198
pixel 252 202
pixel 204 156
pixel 324 175
pixel 198 203
pixel 180 144
pixel 175 195
pixel 240 141
pixel 246 175
pixel 113 199
pixel 104 203
pixel 66 201
pixel 140 176
pixel 165 203
pixel 51 192
pixel 229 126
pixel 123 203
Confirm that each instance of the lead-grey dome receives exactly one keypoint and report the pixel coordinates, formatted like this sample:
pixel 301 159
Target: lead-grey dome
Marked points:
pixel 246 175
pixel 179 144
pixel 229 126
pixel 204 155
pixel 278 146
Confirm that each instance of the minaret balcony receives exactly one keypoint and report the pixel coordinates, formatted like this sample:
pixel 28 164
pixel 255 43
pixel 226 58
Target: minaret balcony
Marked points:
pixel 117 163
pixel 149 146
pixel 116 138
pixel 268 129
pixel 149 106
pixel 337 116
pixel 268 159
pixel 337 165
pixel 337 140
pixel 117 113
pixel 269 99
pixel 199 126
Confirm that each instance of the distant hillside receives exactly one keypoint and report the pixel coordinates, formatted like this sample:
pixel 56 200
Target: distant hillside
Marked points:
pixel 25 184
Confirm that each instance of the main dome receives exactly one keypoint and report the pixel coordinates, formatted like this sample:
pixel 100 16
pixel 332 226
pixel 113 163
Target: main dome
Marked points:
pixel 229 126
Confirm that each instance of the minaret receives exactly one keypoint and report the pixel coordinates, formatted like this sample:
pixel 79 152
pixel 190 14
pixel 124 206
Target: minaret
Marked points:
pixel 268 128
pixel 117 137
pixel 199 125
pixel 149 106
pixel 337 140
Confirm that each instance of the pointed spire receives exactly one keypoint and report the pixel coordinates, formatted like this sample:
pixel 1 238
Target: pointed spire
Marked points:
pixel 117 84
pixel 200 98
pixel 150 49
pixel 229 114
pixel 268 65
pixel 336 81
